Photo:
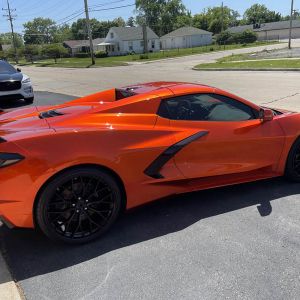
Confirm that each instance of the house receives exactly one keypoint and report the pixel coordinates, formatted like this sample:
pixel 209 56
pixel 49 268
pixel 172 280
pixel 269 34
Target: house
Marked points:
pixel 186 37
pixel 125 40
pixel 5 47
pixel 271 31
pixel 79 46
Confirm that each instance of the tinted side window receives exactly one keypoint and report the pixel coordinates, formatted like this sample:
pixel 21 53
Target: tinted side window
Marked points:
pixel 205 107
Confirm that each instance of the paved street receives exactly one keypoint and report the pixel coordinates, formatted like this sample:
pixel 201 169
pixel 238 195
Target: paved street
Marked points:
pixel 240 242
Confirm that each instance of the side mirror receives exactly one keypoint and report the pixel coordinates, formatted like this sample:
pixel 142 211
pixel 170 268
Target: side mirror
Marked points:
pixel 266 115
pixel 19 70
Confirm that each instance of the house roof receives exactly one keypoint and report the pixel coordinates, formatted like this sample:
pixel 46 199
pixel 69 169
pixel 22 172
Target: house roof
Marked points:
pixel 186 31
pixel 266 26
pixel 82 43
pixel 133 33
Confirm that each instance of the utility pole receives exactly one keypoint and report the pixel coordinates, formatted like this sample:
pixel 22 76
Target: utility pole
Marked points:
pixel 88 25
pixel 222 18
pixel 145 38
pixel 291 25
pixel 10 18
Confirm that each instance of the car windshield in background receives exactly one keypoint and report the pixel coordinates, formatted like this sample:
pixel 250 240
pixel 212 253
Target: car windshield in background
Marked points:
pixel 6 68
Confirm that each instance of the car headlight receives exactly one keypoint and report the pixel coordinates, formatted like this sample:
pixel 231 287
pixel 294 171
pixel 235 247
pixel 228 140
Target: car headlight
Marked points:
pixel 27 80
pixel 7 159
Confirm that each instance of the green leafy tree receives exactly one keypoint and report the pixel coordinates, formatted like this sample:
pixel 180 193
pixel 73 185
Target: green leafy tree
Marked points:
pixel 63 33
pixel 201 21
pixel 54 51
pixel 30 51
pixel 39 31
pixel 130 22
pixel 6 39
pixel 215 19
pixel 259 13
pixel 161 15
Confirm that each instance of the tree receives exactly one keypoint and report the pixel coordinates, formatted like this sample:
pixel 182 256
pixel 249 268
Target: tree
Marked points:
pixel 62 34
pixel 211 19
pixel 201 21
pixel 54 51
pixel 6 39
pixel 160 15
pixel 130 22
pixel 39 31
pixel 259 13
pixel 29 51
pixel 99 28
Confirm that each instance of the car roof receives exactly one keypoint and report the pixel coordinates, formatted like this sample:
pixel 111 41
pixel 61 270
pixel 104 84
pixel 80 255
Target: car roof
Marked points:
pixel 160 87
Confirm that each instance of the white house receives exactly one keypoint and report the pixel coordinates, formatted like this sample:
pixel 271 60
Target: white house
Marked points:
pixel 125 40
pixel 186 37
pixel 271 31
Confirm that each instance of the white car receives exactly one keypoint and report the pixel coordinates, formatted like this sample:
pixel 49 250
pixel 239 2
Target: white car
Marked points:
pixel 13 84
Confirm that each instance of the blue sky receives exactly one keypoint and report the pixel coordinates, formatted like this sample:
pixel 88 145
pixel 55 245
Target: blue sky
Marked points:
pixel 60 9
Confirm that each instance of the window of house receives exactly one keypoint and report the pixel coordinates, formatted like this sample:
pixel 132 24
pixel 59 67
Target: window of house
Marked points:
pixel 112 35
pixel 205 107
pixel 153 44
pixel 130 46
pixel 142 44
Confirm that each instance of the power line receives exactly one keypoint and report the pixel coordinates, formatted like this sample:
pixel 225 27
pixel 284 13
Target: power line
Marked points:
pixel 111 8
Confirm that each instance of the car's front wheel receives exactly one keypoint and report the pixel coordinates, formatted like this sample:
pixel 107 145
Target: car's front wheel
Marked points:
pixel 78 205
pixel 292 171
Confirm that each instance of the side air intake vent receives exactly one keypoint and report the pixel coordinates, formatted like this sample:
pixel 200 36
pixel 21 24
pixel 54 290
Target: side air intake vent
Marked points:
pixel 2 140
pixel 50 114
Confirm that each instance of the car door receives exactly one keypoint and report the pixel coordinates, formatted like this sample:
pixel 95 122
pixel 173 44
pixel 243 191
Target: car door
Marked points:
pixel 220 135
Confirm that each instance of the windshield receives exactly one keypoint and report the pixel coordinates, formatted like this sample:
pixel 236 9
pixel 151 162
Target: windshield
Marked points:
pixel 6 68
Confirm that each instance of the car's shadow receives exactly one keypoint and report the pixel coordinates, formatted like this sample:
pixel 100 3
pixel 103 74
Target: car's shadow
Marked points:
pixel 30 253
pixel 10 104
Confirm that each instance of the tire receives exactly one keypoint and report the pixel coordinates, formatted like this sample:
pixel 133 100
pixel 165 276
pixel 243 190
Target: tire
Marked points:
pixel 78 205
pixel 292 171
pixel 29 100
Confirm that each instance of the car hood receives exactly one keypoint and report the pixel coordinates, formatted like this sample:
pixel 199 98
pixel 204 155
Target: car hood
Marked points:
pixel 11 77
pixel 36 117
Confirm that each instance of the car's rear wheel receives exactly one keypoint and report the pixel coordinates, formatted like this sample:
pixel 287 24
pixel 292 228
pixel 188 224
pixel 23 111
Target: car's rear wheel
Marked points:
pixel 292 171
pixel 78 205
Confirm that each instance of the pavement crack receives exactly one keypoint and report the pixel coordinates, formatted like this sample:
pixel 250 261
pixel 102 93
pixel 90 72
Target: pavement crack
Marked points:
pixel 282 98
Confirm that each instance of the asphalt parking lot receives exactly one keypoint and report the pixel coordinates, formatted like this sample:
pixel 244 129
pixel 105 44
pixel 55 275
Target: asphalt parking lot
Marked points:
pixel 239 242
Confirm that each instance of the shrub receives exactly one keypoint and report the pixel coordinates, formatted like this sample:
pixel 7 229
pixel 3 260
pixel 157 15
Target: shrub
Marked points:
pixel 224 37
pixel 100 54
pixel 144 56
pixel 54 51
pixel 82 55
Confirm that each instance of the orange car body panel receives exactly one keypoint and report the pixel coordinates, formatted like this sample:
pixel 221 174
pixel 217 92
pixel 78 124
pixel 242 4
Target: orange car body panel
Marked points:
pixel 126 136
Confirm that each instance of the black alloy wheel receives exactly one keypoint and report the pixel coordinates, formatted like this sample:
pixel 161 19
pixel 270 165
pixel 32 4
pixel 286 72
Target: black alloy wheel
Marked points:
pixel 79 205
pixel 292 171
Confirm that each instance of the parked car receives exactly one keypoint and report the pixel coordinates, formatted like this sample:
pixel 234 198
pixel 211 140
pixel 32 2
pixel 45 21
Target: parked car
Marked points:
pixel 14 84
pixel 71 169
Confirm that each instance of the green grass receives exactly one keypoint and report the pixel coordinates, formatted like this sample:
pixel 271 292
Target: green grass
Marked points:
pixel 124 60
pixel 256 64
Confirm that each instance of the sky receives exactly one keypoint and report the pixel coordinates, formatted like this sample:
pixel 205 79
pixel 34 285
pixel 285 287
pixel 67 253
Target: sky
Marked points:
pixel 64 10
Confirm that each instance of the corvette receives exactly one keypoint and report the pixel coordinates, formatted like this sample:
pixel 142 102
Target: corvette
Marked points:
pixel 71 169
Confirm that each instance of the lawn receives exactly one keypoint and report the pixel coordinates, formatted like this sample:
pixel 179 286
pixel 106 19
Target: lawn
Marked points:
pixel 255 64
pixel 124 60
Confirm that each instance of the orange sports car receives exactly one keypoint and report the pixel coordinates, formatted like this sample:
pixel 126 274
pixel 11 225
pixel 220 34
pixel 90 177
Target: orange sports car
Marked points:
pixel 71 169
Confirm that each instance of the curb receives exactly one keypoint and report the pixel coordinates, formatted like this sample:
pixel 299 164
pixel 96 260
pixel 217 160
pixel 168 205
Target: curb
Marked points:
pixel 251 69
pixel 8 288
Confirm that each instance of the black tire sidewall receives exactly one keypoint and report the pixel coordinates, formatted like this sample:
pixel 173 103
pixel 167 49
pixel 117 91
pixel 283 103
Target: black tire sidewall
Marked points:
pixel 289 171
pixel 49 190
